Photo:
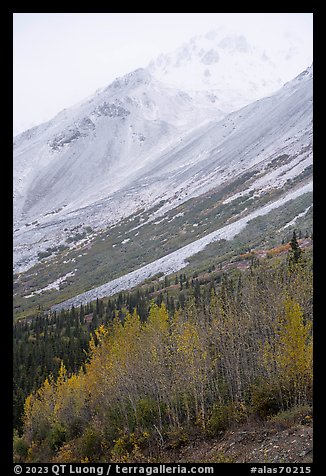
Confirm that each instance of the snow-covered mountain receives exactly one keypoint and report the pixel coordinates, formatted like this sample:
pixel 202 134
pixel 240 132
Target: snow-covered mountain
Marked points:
pixel 272 136
pixel 235 70
pixel 139 144
pixel 91 150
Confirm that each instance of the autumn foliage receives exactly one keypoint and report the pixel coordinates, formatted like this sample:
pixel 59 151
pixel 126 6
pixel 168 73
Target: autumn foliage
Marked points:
pixel 148 385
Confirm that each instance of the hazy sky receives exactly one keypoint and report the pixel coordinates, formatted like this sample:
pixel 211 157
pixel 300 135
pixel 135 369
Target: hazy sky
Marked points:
pixel 61 58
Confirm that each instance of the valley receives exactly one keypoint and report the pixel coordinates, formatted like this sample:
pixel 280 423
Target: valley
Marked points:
pixel 163 263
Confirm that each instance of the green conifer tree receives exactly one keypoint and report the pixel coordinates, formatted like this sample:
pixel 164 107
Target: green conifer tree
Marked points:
pixel 295 251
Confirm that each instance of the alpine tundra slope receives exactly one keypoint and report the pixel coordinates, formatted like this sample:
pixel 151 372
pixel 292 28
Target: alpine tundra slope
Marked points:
pixel 131 172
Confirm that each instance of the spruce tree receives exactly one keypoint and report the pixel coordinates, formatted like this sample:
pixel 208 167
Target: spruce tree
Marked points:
pixel 295 251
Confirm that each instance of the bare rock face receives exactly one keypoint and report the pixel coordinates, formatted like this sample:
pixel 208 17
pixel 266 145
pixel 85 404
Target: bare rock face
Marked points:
pixel 236 43
pixel 210 57
pixel 64 138
pixel 111 110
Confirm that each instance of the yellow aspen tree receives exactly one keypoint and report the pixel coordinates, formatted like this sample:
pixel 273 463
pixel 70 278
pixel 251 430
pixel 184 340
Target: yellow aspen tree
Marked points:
pixel 117 370
pixel 294 352
pixel 71 409
pixel 62 375
pixel 288 357
pixel 155 346
pixel 191 370
pixel 38 410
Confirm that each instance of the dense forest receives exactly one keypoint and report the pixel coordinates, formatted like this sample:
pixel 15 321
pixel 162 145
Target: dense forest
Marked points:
pixel 124 378
pixel 41 343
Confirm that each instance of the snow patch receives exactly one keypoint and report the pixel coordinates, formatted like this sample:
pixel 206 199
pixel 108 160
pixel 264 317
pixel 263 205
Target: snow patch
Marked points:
pixel 54 285
pixel 302 214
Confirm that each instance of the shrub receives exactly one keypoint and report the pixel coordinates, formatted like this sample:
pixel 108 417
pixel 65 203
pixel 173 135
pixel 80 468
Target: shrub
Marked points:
pixel 266 399
pixel 177 437
pixel 43 254
pixel 223 416
pixel 285 419
pixel 90 443
pixel 67 454
pixel 57 436
pixel 127 447
pixel 147 412
pixel 20 447
pixel 63 247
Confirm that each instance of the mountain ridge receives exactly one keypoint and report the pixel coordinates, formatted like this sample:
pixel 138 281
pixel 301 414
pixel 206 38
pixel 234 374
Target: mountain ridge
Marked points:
pixel 136 152
pixel 193 156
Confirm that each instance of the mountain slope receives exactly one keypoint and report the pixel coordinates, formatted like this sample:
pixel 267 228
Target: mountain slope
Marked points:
pixel 179 258
pixel 92 149
pixel 225 171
